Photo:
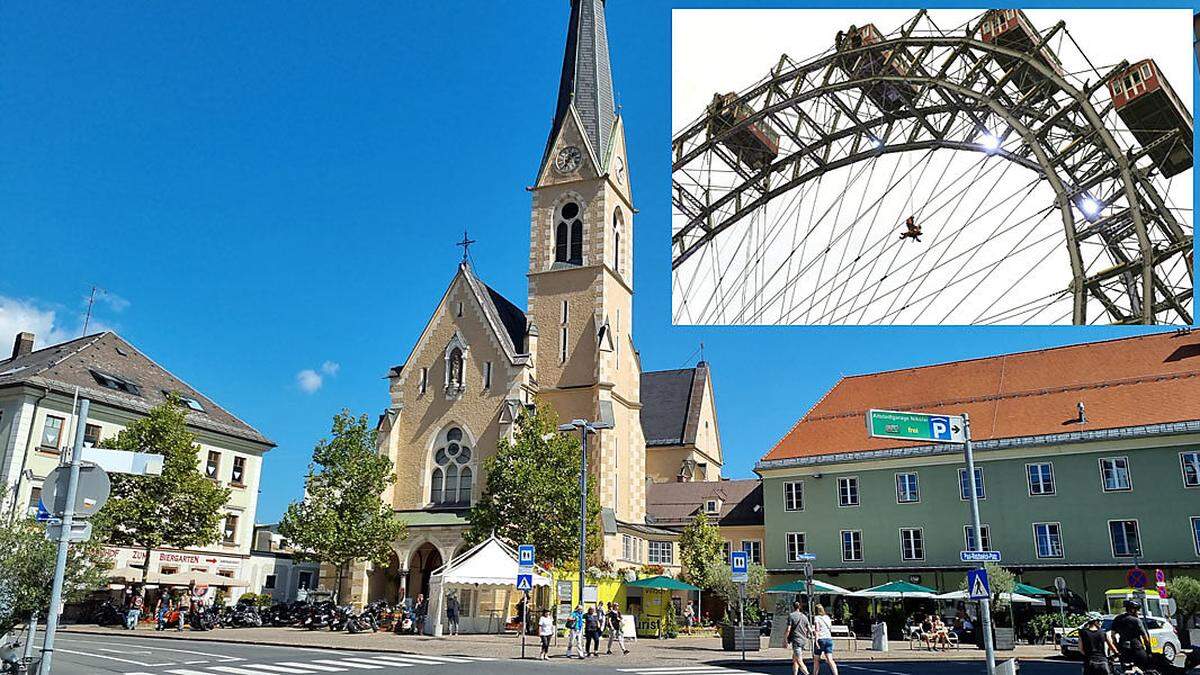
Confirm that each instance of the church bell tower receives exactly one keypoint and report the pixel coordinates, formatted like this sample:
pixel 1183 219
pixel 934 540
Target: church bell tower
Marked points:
pixel 581 268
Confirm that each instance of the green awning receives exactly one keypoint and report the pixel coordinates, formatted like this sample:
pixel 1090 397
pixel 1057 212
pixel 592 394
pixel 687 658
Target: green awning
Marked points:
pixel 897 589
pixel 799 586
pixel 1026 589
pixel 662 583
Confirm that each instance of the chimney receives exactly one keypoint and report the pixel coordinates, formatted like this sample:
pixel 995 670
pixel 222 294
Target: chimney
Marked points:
pixel 22 345
pixel 1082 419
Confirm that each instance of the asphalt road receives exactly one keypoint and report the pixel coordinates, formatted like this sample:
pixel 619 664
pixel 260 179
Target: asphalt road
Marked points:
pixel 129 655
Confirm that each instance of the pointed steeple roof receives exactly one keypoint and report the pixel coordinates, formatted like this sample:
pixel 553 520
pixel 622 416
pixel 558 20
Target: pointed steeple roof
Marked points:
pixel 586 80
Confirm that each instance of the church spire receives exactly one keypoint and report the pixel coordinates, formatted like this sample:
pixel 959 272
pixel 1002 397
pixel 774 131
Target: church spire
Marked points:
pixel 586 81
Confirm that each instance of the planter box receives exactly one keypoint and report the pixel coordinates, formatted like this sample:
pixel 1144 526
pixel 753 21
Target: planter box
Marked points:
pixel 737 638
pixel 1003 639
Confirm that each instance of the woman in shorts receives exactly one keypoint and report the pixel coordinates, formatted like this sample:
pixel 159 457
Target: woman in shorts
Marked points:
pixel 823 651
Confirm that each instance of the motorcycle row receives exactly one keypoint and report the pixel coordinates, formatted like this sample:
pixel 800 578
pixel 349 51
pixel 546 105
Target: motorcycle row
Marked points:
pixel 324 615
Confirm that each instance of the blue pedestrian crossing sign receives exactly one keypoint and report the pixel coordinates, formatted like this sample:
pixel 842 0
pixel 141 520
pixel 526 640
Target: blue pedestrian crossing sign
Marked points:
pixel 739 565
pixel 978 586
pixel 43 514
pixel 524 582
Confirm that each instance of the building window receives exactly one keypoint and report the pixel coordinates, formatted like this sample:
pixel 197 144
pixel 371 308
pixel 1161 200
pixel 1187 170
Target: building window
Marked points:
pixel 562 341
pixel 305 580
pixel 1196 533
pixel 964 488
pixel 852 550
pixel 1048 539
pixel 568 235
pixel 1190 463
pixel 458 310
pixel 423 383
pixel 711 507
pixel 52 432
pixel 969 537
pixel 116 383
pixel 452 476
pixel 1124 537
pixel 91 435
pixel 848 491
pixel 239 471
pixel 908 488
pixel 229 536
pixel 618 225
pixel 661 553
pixel 35 497
pixel 213 465
pixel 795 546
pixel 487 375
pixel 1041 479
pixel 793 496
pixel 753 549
pixel 1114 473
pixel 912 544
pixel 269 582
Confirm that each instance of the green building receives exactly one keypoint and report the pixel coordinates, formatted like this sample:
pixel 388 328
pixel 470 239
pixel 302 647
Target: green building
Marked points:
pixel 1089 457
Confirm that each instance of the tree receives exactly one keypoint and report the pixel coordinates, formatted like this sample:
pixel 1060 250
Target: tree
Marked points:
pixel 27 570
pixel 1002 583
pixel 726 588
pixel 701 552
pixel 1185 591
pixel 532 493
pixel 180 508
pixel 342 517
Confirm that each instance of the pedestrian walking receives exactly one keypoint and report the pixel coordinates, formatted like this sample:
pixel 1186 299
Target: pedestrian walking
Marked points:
pixel 420 610
pixel 161 609
pixel 575 631
pixel 1095 644
pixel 302 592
pixel 452 608
pixel 185 610
pixel 133 610
pixel 823 630
pixel 798 636
pixel 545 632
pixel 689 616
pixel 593 622
pixel 615 631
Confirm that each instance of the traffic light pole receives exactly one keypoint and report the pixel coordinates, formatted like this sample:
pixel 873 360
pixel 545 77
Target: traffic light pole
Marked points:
pixel 985 605
pixel 64 536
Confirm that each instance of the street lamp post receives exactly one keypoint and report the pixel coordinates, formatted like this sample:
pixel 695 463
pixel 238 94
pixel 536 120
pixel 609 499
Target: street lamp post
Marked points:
pixel 585 427
pixel 985 610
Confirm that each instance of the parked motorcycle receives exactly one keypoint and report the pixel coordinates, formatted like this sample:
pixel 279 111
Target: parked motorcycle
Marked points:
pixel 108 614
pixel 205 619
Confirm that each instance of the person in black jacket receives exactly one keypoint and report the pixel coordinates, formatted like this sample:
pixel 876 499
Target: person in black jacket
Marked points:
pixel 1133 643
pixel 1095 645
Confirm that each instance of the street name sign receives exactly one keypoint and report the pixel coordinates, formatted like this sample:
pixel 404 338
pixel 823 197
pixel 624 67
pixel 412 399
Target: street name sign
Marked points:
pixel 980 556
pixel 910 426
pixel 123 461
pixel 80 532
pixel 739 566
pixel 978 586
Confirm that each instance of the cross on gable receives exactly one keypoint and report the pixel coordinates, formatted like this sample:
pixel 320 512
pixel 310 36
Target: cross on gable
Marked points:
pixel 465 244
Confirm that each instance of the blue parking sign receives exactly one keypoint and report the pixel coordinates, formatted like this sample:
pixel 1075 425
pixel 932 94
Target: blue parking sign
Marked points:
pixel 739 564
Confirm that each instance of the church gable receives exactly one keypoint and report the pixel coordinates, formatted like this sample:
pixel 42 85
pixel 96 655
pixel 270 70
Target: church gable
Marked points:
pixel 571 156
pixel 617 163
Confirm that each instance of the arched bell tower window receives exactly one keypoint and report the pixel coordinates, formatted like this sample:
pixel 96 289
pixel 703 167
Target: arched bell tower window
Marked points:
pixel 451 480
pixel 618 226
pixel 568 235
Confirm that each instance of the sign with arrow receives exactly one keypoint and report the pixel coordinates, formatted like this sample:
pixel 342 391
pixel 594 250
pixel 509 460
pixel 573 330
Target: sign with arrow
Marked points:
pixel 910 426
pixel 978 586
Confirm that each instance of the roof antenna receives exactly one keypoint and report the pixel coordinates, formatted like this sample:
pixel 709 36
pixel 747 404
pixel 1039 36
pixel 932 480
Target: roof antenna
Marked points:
pixel 87 319
pixel 702 351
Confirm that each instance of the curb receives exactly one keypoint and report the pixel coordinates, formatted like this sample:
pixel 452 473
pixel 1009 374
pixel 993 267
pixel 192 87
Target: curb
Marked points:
pixel 269 643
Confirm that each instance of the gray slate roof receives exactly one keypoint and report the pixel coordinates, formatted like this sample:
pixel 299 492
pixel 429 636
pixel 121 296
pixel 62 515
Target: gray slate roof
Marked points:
pixel 64 366
pixel 671 404
pixel 586 77
pixel 675 504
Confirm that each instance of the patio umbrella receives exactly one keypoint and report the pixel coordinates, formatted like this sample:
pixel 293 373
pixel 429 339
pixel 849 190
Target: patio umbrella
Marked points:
pixel 1031 591
pixel 800 586
pixel 662 583
pixel 897 589
pixel 1010 597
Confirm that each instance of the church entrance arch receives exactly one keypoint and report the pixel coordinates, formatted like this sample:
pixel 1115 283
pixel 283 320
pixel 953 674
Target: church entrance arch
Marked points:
pixel 421 565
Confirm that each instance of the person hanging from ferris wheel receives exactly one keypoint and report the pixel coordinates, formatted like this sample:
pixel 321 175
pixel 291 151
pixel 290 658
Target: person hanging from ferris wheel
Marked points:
pixel 913 231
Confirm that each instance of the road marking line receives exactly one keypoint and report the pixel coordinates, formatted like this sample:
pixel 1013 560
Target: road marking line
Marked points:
pixel 185 671
pixel 347 663
pixel 313 666
pixel 220 657
pixel 422 660
pixel 112 658
pixel 242 671
pixel 681 669
pixel 276 669
pixel 362 662
pixel 401 662
pixel 438 659
pixel 122 651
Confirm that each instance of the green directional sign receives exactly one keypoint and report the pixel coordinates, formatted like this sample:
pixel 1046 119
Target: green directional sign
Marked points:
pixel 910 426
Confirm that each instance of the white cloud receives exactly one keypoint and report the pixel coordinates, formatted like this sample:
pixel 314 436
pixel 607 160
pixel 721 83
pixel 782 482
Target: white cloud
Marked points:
pixel 114 301
pixel 309 380
pixel 26 315
pixel 330 368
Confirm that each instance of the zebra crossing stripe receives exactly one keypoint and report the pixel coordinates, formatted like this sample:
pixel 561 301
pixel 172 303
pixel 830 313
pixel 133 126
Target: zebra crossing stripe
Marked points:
pixel 436 659
pixel 242 671
pixel 313 666
pixel 347 664
pixel 405 660
pixel 186 671
pixel 377 662
pixel 680 670
pixel 261 667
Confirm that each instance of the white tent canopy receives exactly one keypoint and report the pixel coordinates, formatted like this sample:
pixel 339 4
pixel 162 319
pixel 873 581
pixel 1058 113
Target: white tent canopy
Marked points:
pixel 489 563
pixel 1010 597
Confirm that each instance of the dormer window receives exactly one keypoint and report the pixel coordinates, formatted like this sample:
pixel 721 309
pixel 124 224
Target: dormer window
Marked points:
pixel 712 506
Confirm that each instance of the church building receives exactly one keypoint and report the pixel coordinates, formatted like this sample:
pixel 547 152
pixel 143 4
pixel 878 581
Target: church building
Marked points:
pixel 482 357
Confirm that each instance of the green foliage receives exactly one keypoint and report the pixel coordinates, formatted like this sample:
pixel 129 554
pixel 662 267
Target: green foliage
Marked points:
pixel 1002 582
pixel 179 509
pixel 1041 627
pixel 532 493
pixel 256 599
pixel 724 587
pixel 27 570
pixel 342 517
pixel 670 622
pixel 1185 591
pixel 700 552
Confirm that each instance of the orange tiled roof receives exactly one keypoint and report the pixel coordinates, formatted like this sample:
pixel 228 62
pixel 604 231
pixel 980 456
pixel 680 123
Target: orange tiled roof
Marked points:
pixel 1150 379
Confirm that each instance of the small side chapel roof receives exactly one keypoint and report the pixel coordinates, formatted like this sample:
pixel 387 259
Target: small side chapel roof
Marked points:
pixel 506 317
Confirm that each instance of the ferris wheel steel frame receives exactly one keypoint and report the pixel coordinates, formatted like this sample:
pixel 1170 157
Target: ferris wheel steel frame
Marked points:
pixel 959 81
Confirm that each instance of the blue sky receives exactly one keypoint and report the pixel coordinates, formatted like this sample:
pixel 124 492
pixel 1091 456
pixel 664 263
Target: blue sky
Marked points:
pixel 270 188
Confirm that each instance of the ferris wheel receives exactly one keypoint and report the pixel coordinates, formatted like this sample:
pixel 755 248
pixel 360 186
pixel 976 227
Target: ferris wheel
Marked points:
pixel 986 173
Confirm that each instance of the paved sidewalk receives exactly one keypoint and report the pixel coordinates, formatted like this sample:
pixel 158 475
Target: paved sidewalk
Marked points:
pixel 642 652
